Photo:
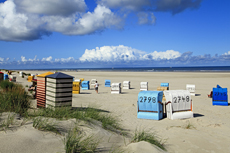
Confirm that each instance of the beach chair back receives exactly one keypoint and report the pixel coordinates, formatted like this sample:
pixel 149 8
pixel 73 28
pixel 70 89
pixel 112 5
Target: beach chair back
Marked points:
pixel 144 86
pixel 76 87
pixel 85 85
pixel 165 85
pixel 191 88
pixel 107 83
pixel 116 88
pixel 126 85
pixel 178 102
pixel 92 82
pixel 149 105
pixel 220 96
pixel 6 77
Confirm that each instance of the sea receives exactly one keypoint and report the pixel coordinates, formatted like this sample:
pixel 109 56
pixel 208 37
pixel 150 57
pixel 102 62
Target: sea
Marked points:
pixel 146 69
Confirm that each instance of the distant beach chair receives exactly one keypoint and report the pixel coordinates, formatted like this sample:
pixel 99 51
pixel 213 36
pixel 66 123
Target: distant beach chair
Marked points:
pixel 165 85
pixel 191 88
pixel 126 85
pixel 107 83
pixel 116 88
pixel 92 83
pixel 85 85
pixel 144 86
pixel 220 96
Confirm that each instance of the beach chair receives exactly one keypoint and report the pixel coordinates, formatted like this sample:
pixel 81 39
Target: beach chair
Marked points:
pixel 220 96
pixel 12 78
pixel 85 85
pixel 149 105
pixel 107 83
pixel 165 85
pixel 116 88
pixel 76 87
pixel 6 77
pixel 21 74
pixel 162 89
pixel 82 79
pixel 144 86
pixel 178 104
pixel 191 88
pixel 92 83
pixel 30 78
pixel 126 85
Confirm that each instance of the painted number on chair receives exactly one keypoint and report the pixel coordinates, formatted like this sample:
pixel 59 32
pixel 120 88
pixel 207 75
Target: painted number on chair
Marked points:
pixel 180 99
pixel 147 99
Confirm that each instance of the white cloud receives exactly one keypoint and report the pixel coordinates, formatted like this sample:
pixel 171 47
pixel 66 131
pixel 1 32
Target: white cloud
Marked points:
pixel 135 5
pixel 51 7
pixel 228 53
pixel 13 25
pixel 124 53
pixel 28 25
pixel 65 60
pixel 169 54
pixel 23 59
pixel 47 59
pixel 100 19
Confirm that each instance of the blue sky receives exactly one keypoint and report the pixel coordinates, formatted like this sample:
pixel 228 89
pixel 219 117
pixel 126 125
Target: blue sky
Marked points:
pixel 114 33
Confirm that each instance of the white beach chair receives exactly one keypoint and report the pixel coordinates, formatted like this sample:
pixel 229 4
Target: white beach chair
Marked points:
pixel 116 88
pixel 191 88
pixel 126 85
pixel 144 86
pixel 92 83
pixel 178 104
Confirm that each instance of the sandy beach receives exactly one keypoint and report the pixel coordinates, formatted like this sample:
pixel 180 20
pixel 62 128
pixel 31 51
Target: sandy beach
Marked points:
pixel 210 130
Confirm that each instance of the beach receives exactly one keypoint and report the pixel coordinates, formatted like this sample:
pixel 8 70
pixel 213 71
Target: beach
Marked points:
pixel 209 130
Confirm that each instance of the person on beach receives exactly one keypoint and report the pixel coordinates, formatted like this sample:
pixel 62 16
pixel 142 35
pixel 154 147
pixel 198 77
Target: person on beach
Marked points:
pixel 96 87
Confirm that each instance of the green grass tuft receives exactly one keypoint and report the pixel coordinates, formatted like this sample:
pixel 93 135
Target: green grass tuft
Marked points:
pixel 148 137
pixel 44 124
pixel 77 141
pixel 188 125
pixel 14 98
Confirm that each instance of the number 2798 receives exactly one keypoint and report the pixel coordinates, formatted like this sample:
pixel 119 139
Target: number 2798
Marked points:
pixel 147 99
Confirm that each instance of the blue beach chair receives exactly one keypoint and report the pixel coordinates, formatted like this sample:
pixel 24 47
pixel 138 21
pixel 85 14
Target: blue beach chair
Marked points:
pixel 149 105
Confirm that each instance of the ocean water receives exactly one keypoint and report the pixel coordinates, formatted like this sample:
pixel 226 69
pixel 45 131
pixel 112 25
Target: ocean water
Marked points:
pixel 149 69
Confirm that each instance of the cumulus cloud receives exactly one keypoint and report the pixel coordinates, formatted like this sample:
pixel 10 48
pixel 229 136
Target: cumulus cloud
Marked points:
pixel 47 59
pixel 124 53
pixel 112 56
pixel 31 19
pixel 99 20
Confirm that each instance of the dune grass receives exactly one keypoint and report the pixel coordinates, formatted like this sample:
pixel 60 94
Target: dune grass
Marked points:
pixel 13 98
pixel 77 141
pixel 189 125
pixel 88 114
pixel 44 124
pixel 6 123
pixel 141 135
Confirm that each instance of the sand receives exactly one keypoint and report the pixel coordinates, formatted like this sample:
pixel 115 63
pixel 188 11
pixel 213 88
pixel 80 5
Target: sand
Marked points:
pixel 210 130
